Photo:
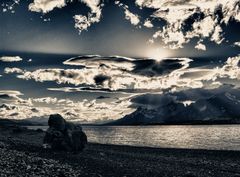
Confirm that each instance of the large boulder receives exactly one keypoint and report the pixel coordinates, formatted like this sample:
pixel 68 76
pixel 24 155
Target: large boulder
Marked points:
pixel 57 122
pixel 63 135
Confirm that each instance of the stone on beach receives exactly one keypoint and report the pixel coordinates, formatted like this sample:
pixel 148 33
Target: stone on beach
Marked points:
pixel 63 135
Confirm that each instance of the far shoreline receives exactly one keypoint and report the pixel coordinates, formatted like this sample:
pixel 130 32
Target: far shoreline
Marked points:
pixel 26 122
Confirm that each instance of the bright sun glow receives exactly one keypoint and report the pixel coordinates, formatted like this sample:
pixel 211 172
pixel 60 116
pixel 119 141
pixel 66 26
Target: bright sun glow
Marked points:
pixel 157 53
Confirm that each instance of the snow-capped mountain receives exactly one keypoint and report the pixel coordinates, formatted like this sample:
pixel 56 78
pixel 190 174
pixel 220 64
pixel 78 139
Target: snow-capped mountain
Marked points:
pixel 219 108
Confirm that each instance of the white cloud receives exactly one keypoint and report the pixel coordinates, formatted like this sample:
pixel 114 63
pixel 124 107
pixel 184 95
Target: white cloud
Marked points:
pixel 84 22
pixel 8 70
pixel 217 35
pixel 46 6
pixel 200 46
pixel 148 24
pixel 176 13
pixel 237 44
pixel 10 58
pixel 231 69
pixel 203 28
pixel 174 35
pixel 47 100
pixel 12 93
pixel 133 18
pixel 14 111
pixel 12 96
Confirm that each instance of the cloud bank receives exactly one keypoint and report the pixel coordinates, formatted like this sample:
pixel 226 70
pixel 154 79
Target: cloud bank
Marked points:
pixel 134 75
pixel 184 20
pixel 12 106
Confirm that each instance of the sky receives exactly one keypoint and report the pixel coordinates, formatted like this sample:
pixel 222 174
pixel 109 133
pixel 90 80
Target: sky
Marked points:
pixel 90 60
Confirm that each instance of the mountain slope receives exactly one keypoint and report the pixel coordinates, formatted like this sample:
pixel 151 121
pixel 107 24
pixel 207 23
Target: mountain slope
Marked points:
pixel 220 108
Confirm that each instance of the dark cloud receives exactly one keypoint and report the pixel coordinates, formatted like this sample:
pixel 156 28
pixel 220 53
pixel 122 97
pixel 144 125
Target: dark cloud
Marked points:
pixel 156 68
pixel 153 99
pixel 99 79
pixel 194 95
pixel 102 97
pixel 5 96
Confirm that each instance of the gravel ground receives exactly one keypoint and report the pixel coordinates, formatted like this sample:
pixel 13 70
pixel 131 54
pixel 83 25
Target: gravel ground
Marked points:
pixel 21 154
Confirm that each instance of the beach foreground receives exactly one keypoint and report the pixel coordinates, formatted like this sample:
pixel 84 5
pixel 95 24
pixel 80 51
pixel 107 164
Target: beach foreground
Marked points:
pixel 21 154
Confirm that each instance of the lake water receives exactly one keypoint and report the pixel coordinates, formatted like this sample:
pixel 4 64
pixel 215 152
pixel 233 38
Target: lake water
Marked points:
pixel 220 137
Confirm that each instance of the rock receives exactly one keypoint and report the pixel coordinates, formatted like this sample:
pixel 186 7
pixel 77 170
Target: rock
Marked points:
pixel 63 135
pixel 57 122
pixel 39 130
pixel 18 129
pixel 2 145
pixel 28 167
pixel 79 140
pixel 189 174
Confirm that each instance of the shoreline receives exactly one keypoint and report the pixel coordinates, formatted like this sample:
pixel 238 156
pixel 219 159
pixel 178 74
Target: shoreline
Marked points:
pixel 22 154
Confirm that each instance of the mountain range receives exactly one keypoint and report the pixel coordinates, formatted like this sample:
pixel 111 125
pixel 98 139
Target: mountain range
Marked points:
pixel 217 109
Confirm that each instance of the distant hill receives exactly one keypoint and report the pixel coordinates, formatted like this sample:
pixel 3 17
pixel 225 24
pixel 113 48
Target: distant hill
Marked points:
pixel 4 122
pixel 218 109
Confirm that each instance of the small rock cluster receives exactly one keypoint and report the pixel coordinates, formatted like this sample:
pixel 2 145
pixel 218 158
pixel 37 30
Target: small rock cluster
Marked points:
pixel 63 135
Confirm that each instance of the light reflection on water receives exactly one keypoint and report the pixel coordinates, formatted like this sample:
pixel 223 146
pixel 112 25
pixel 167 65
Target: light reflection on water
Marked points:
pixel 221 137
pixel 225 137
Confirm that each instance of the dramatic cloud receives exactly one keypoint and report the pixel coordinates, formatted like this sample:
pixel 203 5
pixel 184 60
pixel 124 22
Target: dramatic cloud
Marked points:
pixel 128 75
pixel 10 58
pixel 114 73
pixel 206 23
pixel 184 20
pixel 100 83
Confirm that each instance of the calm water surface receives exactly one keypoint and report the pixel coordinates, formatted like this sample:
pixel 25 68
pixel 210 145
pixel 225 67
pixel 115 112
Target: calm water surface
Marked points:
pixel 221 137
